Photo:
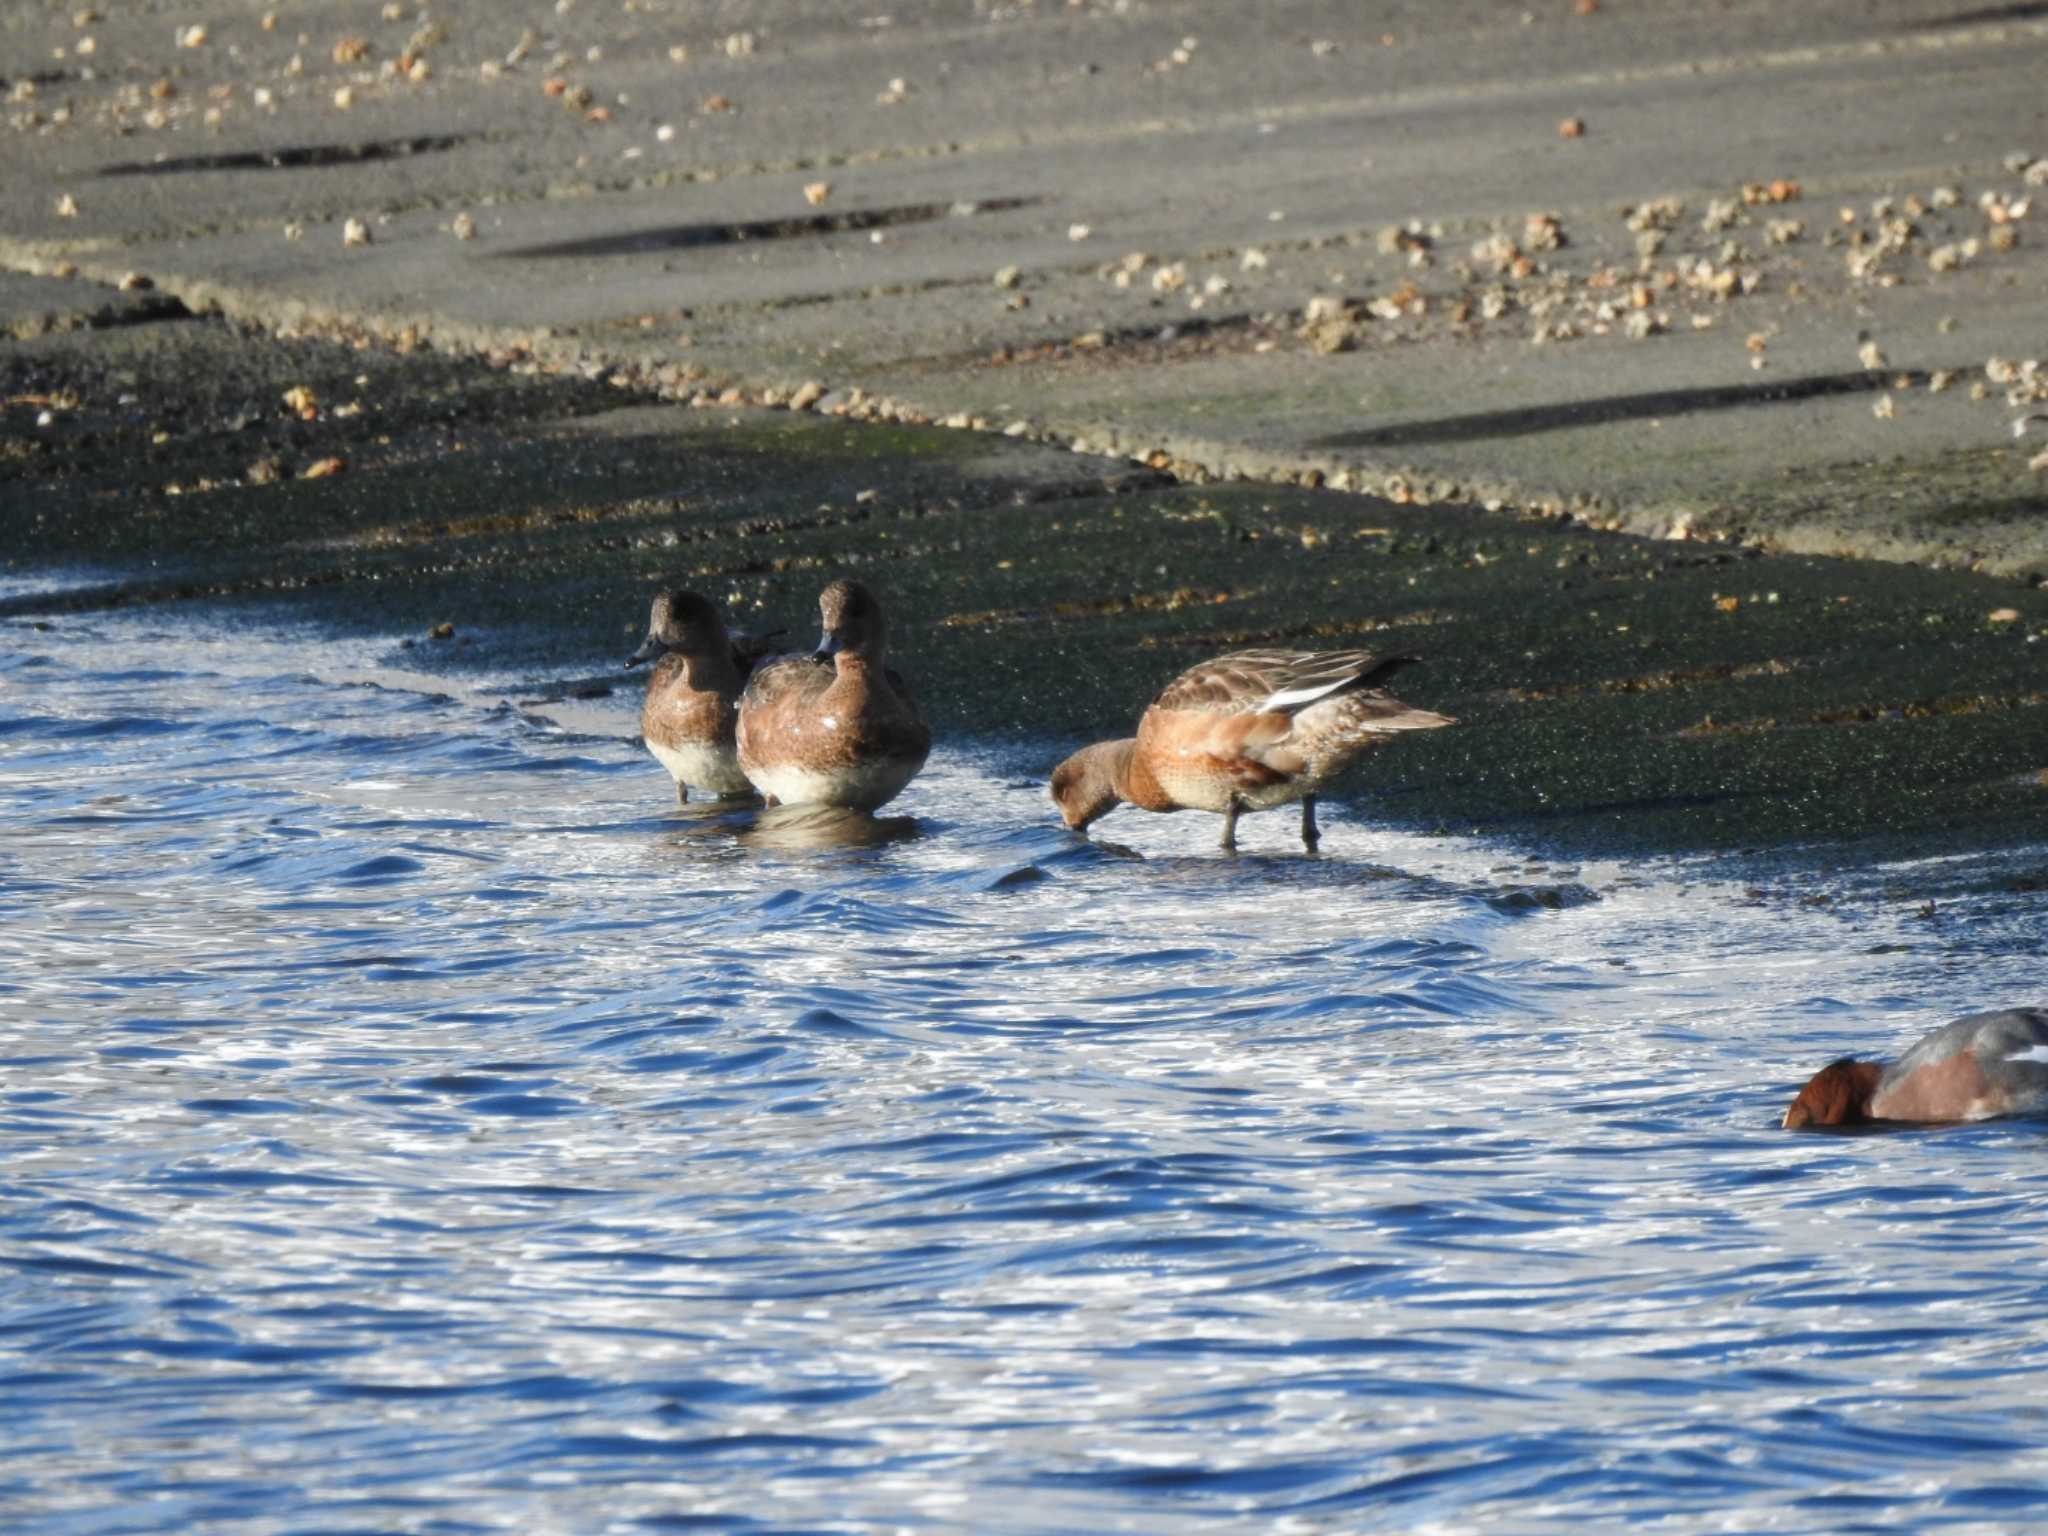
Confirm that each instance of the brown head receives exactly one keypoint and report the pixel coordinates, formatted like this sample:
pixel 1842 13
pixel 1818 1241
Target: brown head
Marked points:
pixel 1838 1094
pixel 681 621
pixel 1084 787
pixel 852 616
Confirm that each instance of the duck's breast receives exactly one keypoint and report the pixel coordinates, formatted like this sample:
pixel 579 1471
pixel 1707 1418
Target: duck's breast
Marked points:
pixel 690 730
pixel 1200 761
pixel 809 737
pixel 775 711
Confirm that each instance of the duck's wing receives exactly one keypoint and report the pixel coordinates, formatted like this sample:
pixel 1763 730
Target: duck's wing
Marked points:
pixel 2010 1034
pixel 902 690
pixel 1276 682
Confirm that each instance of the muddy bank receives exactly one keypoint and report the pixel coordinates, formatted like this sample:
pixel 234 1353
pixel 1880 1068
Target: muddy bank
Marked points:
pixel 1616 693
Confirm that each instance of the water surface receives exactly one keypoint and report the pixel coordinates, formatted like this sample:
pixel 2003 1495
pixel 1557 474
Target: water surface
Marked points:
pixel 412 1122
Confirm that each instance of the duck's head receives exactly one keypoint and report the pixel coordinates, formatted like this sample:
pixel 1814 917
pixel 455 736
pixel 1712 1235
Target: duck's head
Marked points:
pixel 680 621
pixel 1084 787
pixel 852 620
pixel 1838 1094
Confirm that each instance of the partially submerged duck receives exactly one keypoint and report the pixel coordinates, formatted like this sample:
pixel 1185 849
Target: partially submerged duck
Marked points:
pixel 1977 1067
pixel 691 710
pixel 839 726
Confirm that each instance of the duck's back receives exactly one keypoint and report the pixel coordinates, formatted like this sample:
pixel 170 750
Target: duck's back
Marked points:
pixel 1261 727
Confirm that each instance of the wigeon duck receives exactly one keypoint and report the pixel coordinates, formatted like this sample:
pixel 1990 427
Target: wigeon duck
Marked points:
pixel 693 694
pixel 837 727
pixel 1984 1065
pixel 1245 732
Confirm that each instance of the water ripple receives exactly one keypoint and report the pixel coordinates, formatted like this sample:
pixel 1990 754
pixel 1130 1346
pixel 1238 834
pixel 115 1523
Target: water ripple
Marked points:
pixel 413 1123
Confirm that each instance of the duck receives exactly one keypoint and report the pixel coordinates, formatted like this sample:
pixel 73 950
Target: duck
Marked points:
pixel 1245 732
pixel 838 726
pixel 691 710
pixel 1974 1068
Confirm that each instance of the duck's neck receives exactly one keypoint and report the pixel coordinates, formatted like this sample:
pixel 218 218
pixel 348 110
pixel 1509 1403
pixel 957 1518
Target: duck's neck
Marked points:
pixel 1863 1078
pixel 1128 775
pixel 858 663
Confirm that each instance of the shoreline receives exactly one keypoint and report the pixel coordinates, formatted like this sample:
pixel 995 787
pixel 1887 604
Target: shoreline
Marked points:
pixel 1617 694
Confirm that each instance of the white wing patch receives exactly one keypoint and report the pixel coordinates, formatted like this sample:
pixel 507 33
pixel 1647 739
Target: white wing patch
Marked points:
pixel 2031 1053
pixel 1288 698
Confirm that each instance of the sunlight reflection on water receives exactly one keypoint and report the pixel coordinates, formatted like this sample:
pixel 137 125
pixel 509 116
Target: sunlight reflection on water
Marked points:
pixel 412 1121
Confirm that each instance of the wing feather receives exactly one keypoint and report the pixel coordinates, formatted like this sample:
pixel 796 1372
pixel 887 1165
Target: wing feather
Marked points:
pixel 1275 681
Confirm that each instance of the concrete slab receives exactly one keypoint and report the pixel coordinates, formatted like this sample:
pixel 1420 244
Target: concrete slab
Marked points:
pixel 805 195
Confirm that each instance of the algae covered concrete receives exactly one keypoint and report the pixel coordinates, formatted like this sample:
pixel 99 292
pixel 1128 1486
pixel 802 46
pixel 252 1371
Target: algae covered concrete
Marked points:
pixel 1614 693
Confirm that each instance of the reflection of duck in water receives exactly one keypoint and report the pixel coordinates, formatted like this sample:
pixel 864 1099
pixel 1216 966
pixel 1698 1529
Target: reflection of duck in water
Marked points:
pixel 693 694
pixel 1245 732
pixel 815 827
pixel 1984 1065
pixel 837 727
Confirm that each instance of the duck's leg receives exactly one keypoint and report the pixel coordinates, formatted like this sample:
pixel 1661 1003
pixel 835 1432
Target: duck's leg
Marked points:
pixel 1230 824
pixel 1310 836
pixel 682 793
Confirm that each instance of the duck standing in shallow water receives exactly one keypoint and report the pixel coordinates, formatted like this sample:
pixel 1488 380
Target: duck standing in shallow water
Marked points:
pixel 1245 732
pixel 693 695
pixel 1984 1065
pixel 837 727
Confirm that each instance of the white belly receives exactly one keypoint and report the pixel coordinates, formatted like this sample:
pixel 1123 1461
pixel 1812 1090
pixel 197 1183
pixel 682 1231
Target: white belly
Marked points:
pixel 708 768
pixel 861 786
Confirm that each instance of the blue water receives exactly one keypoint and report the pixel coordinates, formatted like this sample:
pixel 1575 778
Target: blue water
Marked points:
pixel 409 1121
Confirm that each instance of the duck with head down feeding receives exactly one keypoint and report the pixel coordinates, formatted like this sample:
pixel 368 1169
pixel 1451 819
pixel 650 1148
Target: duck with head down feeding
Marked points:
pixel 1245 732
pixel 1977 1067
